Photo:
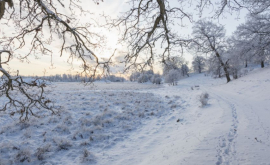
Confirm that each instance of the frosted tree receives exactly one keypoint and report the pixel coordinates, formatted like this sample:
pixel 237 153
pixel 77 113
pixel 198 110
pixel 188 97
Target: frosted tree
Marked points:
pixel 173 63
pixel 209 38
pixel 145 76
pixel 234 65
pixel 242 49
pixel 134 76
pixel 172 77
pixel 185 70
pixel 198 64
pixel 252 39
pixel 148 24
pixel 214 67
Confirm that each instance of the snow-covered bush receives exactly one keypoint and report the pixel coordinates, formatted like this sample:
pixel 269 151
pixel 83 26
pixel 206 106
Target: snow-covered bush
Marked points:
pixel 134 76
pixel 172 77
pixel 41 152
pixel 27 133
pixel 88 157
pixel 156 79
pixel 23 155
pixel 143 78
pixel 61 129
pixel 114 78
pixel 62 144
pixel 204 97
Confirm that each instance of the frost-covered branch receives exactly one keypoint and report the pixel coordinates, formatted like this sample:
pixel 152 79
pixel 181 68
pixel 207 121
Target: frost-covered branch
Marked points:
pixel 20 96
pixel 40 22
pixel 146 26
pixel 209 38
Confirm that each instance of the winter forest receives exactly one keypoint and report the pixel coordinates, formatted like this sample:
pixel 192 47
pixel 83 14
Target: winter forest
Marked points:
pixel 148 82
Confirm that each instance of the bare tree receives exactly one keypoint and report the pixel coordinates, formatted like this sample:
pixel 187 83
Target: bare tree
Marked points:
pixel 229 6
pixel 37 25
pixel 149 24
pixel 21 96
pixel 146 25
pixel 209 38
pixel 257 6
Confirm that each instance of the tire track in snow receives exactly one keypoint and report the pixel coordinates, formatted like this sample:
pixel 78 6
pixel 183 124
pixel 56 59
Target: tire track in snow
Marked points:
pixel 226 148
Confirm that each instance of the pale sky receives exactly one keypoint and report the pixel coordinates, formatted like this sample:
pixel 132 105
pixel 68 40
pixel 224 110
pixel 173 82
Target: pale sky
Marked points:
pixel 112 8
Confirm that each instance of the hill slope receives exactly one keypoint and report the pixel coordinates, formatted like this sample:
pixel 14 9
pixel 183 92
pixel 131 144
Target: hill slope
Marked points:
pixel 234 128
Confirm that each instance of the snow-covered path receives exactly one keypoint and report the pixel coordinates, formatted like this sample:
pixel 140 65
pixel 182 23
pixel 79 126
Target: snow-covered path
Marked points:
pixel 247 141
pixel 233 129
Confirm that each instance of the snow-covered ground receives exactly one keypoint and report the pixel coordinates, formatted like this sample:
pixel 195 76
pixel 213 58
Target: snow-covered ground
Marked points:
pixel 130 123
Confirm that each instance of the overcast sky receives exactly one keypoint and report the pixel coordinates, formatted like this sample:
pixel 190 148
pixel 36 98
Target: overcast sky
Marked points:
pixel 112 8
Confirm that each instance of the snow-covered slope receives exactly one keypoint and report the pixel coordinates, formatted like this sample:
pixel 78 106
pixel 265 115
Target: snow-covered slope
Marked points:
pixel 130 123
pixel 234 128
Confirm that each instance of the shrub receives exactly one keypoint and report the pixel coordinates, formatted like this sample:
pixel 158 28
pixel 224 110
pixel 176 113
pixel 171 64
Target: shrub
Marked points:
pixel 143 78
pixel 62 144
pixel 88 156
pixel 156 79
pixel 23 155
pixel 172 77
pixel 204 97
pixel 134 76
pixel 41 152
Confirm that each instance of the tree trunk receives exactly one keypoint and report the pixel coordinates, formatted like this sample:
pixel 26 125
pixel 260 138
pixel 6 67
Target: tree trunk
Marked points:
pixel 246 64
pixel 262 64
pixel 224 67
pixel 227 74
pixel 219 72
pixel 2 9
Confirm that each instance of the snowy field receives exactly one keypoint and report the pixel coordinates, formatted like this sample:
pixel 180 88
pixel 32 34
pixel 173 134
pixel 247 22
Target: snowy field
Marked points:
pixel 131 123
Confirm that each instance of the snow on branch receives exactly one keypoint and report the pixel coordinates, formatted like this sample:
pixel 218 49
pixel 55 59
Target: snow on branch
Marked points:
pixel 23 97
pixel 40 22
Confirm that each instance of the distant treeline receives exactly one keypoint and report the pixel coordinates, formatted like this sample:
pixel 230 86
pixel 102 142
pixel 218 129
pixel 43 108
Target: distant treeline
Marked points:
pixel 79 78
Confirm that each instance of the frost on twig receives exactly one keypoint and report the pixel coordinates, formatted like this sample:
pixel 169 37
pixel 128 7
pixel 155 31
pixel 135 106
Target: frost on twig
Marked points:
pixel 39 24
pixel 22 97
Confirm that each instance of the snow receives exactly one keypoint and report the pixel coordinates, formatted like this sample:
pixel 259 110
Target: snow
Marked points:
pixel 131 123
